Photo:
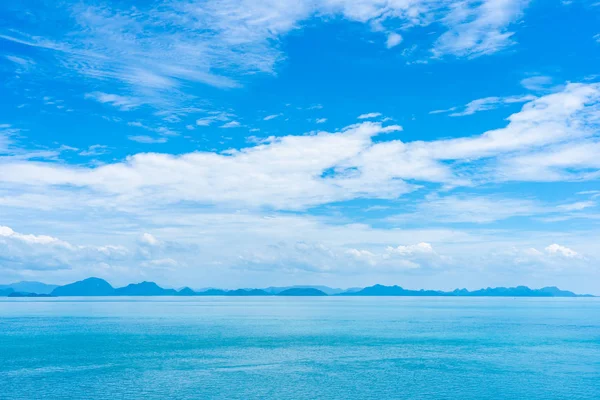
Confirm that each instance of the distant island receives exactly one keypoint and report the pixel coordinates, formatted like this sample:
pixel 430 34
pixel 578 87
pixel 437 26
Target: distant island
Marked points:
pixel 25 294
pixel 99 287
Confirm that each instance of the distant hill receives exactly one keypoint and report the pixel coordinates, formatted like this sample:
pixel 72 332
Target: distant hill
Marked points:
pixel 302 292
pixel 186 291
pixel 247 292
pixel 381 290
pixel 30 287
pixel 25 294
pixel 212 292
pixel 519 291
pixel 86 287
pixel 325 289
pixel 144 289
pixel 100 287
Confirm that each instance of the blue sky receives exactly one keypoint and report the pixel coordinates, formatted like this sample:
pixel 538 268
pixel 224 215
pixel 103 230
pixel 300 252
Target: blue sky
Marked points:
pixel 426 143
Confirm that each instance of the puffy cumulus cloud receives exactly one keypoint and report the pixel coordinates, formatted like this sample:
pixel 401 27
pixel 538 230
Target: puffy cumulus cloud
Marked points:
pixel 550 259
pixel 242 248
pixel 336 259
pixel 563 251
pixel 149 239
pixel 409 257
pixel 363 255
pixel 420 248
pixel 7 232
pixel 393 40
pixel 155 47
pixel 20 251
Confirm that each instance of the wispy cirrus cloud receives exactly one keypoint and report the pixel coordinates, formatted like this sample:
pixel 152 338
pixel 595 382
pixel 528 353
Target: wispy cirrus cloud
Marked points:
pixel 124 103
pixel 484 104
pixel 369 115
pixel 152 49
pixel 478 30
pixel 272 116
pixel 147 139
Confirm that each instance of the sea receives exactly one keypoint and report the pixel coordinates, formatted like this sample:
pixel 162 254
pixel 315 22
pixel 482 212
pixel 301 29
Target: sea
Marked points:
pixel 299 348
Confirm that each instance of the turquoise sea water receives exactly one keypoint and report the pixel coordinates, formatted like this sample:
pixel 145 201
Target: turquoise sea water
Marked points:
pixel 299 348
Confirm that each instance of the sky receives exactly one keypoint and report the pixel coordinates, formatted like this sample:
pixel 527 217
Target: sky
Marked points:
pixel 433 144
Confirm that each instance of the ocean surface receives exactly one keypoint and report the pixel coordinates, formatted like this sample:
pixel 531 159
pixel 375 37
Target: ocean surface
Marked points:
pixel 299 348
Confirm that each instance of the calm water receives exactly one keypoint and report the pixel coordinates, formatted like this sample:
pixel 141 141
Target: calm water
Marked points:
pixel 299 348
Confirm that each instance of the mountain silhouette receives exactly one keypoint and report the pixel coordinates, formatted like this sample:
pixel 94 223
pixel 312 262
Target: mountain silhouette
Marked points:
pixel 186 291
pixel 212 292
pixel 302 292
pixel 100 287
pixel 30 287
pixel 144 289
pixel 86 287
pixel 25 294
pixel 519 291
pixel 325 289
pixel 247 292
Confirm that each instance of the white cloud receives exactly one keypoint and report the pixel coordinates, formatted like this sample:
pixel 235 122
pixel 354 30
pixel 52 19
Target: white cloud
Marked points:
pixel 411 249
pixel 241 249
pixel 443 111
pixel 23 64
pixel 162 262
pixel 19 60
pixel 485 104
pixel 6 132
pixel 369 115
pixel 231 124
pixel 161 130
pixel 473 209
pixel 393 40
pixel 321 120
pixel 154 48
pixel 578 206
pixel 215 116
pixel 124 103
pixel 149 239
pixel 7 232
pixel 27 252
pixel 94 150
pixel 551 138
pixel 146 139
pixel 477 29
pixel 597 38
pixel 272 116
pixel 537 83
pixel 562 251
